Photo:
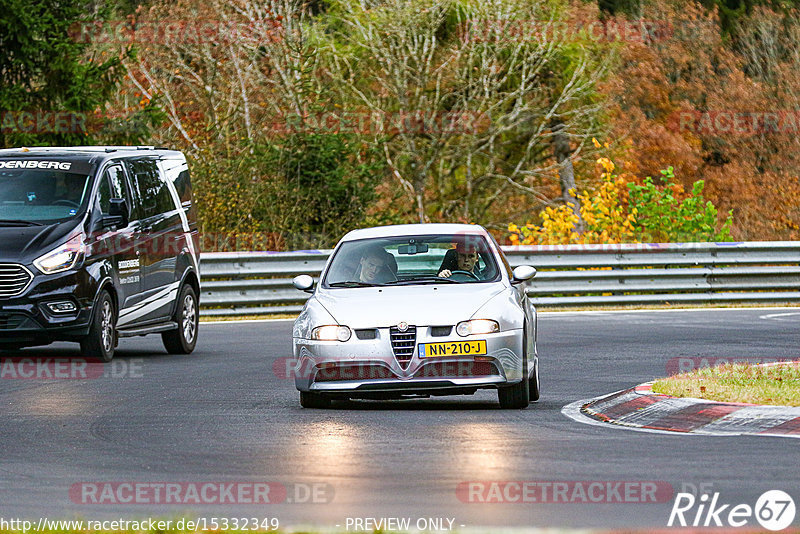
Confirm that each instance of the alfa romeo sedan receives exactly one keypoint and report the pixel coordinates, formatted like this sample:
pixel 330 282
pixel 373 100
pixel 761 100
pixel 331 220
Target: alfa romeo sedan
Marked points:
pixel 414 311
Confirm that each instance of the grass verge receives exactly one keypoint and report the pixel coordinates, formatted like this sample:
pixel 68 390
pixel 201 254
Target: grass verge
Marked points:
pixel 754 384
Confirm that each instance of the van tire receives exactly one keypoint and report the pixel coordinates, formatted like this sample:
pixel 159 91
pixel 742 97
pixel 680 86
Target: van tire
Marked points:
pixel 102 338
pixel 187 315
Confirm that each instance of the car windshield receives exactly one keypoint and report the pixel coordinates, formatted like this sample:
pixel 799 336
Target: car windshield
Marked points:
pixel 42 196
pixel 412 260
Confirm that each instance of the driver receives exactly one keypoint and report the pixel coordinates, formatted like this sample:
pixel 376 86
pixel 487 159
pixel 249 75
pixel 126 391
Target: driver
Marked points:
pixel 72 189
pixel 462 258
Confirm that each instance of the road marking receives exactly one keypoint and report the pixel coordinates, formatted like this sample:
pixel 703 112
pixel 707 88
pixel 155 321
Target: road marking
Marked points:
pixel 617 312
pixel 777 316
pixel 245 321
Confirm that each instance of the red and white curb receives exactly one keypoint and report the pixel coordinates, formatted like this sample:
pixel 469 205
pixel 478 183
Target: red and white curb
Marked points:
pixel 640 409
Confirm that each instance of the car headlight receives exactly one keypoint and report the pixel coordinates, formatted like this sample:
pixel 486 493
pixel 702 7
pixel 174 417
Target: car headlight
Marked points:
pixel 477 326
pixel 63 258
pixel 332 332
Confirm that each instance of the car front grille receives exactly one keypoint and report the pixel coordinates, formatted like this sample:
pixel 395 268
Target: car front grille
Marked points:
pixel 456 369
pixel 352 372
pixel 403 344
pixel 14 279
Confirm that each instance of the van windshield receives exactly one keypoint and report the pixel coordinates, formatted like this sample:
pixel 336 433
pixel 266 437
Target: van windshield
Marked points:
pixel 42 196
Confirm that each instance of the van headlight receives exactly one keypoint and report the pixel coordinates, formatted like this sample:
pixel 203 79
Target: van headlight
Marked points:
pixel 63 258
pixel 477 326
pixel 331 333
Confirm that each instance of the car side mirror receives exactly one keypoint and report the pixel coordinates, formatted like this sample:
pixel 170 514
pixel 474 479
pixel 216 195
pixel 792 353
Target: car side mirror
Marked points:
pixel 523 273
pixel 303 283
pixel 117 213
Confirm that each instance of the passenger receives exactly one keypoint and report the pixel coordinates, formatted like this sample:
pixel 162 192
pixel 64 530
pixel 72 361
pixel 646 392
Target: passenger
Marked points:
pixel 376 266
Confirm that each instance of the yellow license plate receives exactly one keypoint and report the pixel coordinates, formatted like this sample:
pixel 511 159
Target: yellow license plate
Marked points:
pixel 452 348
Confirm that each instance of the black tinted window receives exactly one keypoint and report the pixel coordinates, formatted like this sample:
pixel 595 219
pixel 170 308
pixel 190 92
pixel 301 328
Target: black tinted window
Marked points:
pixel 112 185
pixel 152 191
pixel 177 172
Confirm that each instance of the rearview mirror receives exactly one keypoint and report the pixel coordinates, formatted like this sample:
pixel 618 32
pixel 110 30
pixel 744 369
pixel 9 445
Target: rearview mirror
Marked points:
pixel 523 273
pixel 303 283
pixel 419 248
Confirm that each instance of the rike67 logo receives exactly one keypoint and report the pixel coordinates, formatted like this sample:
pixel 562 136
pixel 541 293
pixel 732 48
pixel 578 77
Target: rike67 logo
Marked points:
pixel 774 510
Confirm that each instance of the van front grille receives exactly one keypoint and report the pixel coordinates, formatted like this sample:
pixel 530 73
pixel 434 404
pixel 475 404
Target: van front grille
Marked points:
pixel 14 279
pixel 11 322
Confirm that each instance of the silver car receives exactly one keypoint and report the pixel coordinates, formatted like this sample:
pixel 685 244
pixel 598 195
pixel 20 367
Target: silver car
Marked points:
pixel 413 311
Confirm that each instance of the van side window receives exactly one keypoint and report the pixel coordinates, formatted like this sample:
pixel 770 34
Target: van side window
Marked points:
pixel 177 172
pixel 112 185
pixel 150 187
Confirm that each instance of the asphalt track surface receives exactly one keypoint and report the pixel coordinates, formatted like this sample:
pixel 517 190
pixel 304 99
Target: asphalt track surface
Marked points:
pixel 221 415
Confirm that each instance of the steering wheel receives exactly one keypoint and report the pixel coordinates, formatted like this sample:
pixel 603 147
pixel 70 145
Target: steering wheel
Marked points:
pixel 65 201
pixel 468 273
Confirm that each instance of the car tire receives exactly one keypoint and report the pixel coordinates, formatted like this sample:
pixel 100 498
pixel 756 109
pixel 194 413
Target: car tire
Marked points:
pixel 517 397
pixel 314 400
pixel 533 383
pixel 514 397
pixel 102 338
pixel 187 315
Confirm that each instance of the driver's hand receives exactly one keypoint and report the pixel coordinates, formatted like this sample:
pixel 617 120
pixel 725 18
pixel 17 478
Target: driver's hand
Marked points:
pixel 445 274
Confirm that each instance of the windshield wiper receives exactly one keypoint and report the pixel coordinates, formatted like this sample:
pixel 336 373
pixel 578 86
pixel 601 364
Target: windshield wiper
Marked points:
pixel 16 221
pixel 353 283
pixel 423 280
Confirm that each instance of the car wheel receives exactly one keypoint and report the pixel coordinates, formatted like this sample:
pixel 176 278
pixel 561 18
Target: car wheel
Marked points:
pixel 102 338
pixel 187 315
pixel 313 400
pixel 514 397
pixel 518 395
pixel 533 383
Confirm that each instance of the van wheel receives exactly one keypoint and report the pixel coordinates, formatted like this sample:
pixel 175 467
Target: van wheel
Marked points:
pixel 187 315
pixel 313 400
pixel 102 338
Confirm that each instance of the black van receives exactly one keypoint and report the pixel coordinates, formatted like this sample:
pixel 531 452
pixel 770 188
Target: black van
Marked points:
pixel 97 243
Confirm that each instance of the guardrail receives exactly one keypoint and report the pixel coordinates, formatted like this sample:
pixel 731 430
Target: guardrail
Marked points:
pixel 257 283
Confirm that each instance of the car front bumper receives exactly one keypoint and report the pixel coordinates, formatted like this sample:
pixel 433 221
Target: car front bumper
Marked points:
pixel 363 366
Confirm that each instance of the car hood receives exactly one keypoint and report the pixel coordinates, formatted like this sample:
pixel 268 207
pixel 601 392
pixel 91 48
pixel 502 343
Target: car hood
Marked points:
pixel 23 244
pixel 381 307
